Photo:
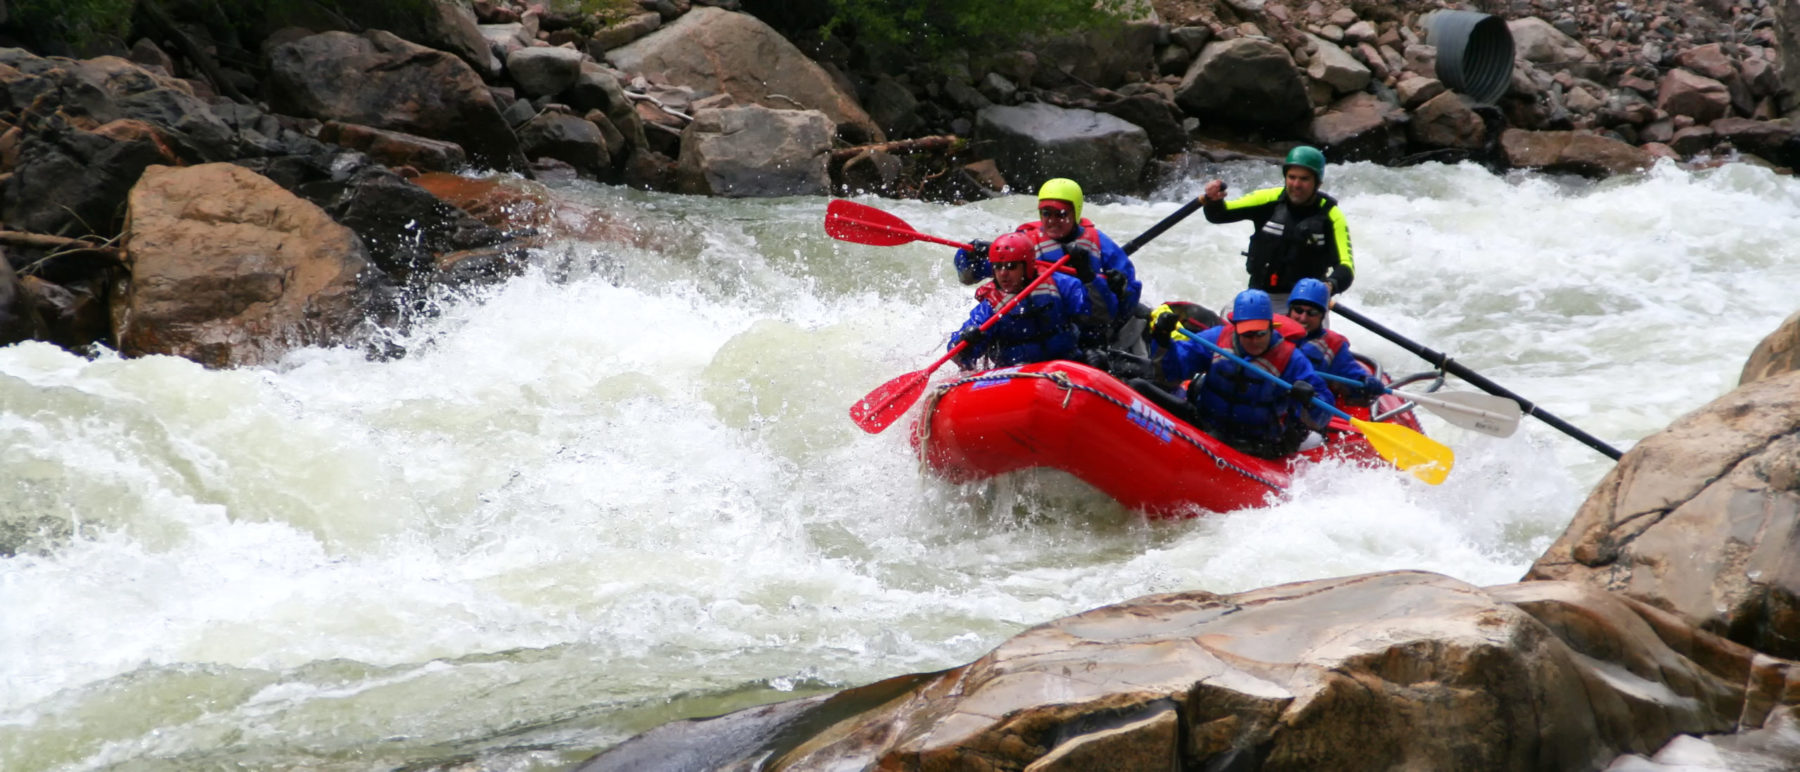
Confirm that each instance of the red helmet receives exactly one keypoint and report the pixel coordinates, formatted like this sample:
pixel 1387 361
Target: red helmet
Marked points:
pixel 1014 247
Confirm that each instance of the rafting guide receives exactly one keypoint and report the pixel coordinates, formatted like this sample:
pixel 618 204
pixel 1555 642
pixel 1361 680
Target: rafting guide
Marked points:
pixel 1300 232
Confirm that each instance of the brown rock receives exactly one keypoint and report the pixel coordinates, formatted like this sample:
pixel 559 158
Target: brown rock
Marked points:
pixel 1400 670
pixel 718 51
pixel 1573 152
pixel 229 269
pixel 1777 354
pixel 1699 519
pixel 1446 120
pixel 1684 93
pixel 395 148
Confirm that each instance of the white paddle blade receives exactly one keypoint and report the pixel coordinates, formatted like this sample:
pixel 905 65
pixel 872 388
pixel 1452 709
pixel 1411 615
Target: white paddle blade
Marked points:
pixel 1485 413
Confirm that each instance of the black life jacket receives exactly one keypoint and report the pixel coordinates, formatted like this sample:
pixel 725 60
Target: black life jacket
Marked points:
pixel 1292 246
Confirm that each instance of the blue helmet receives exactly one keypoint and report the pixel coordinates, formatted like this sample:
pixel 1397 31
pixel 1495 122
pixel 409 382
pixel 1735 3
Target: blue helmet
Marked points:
pixel 1251 311
pixel 1311 291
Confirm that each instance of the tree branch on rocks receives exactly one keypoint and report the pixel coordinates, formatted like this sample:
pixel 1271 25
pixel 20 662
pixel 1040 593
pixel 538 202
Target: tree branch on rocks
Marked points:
pixel 939 143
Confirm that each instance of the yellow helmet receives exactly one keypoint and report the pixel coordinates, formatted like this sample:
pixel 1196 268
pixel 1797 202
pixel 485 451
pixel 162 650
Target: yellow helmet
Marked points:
pixel 1062 189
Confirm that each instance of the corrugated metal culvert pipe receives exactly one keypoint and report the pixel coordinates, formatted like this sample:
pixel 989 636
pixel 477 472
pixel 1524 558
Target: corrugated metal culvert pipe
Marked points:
pixel 1474 53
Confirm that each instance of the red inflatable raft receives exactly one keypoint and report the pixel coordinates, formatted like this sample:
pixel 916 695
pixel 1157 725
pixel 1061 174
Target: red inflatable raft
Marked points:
pixel 1068 416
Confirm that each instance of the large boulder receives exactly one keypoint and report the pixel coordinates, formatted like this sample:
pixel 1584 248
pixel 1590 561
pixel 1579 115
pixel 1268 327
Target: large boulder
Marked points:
pixel 227 268
pixel 1400 670
pixel 377 79
pixel 71 179
pixel 1543 45
pixel 1572 152
pixel 1246 82
pixel 1448 120
pixel 1700 519
pixel 1776 354
pixel 716 51
pixel 755 151
pixel 94 126
pixel 1108 56
pixel 1681 92
pixel 1033 142
pixel 1360 127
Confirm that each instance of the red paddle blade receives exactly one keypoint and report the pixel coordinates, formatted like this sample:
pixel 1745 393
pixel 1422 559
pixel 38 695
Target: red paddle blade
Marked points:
pixel 850 221
pixel 883 406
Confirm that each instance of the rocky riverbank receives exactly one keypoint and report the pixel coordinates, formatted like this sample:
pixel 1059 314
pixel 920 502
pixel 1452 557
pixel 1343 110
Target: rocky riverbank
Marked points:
pixel 1658 633
pixel 365 128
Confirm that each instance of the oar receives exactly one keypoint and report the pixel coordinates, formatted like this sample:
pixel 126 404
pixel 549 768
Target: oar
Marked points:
pixel 890 400
pixel 1427 459
pixel 1166 223
pixel 1484 413
pixel 862 224
pixel 849 221
pixel 1448 365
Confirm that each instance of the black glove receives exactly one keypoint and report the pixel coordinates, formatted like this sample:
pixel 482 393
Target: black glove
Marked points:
pixel 1374 386
pixel 1164 327
pixel 1116 281
pixel 1339 280
pixel 973 335
pixel 980 249
pixel 1083 263
pixel 1302 392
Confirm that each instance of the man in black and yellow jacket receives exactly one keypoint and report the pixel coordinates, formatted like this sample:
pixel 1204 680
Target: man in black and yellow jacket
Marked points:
pixel 1300 232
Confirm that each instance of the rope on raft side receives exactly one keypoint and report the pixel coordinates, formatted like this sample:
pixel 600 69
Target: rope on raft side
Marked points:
pixel 1068 386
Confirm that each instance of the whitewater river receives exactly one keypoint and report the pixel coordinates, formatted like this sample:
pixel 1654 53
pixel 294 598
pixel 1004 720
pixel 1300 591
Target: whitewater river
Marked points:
pixel 621 489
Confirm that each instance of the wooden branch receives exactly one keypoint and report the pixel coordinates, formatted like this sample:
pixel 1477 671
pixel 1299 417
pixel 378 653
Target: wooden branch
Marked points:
pixel 47 241
pixel 938 143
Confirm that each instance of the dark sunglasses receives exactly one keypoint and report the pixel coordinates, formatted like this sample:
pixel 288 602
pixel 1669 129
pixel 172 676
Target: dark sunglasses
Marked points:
pixel 1254 334
pixel 1016 265
pixel 1299 311
pixel 1048 213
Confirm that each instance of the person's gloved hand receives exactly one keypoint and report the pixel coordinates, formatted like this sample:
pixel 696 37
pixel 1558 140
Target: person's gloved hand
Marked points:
pixel 1302 392
pixel 1115 280
pixel 973 335
pixel 1164 327
pixel 980 251
pixel 1083 263
pixel 1374 386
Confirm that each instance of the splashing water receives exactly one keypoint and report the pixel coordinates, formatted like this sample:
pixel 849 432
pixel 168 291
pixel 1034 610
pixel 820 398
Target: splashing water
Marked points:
pixel 622 488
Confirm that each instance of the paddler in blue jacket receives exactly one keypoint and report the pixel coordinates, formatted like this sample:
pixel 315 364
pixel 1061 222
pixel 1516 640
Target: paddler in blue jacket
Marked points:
pixel 1040 328
pixel 1326 349
pixel 1104 269
pixel 1246 411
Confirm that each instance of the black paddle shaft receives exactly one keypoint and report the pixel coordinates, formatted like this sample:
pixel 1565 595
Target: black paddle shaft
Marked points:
pixel 1446 363
pixel 1167 222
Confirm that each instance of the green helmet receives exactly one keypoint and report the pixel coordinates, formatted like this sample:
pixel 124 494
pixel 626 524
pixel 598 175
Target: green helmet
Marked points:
pixel 1306 157
pixel 1063 189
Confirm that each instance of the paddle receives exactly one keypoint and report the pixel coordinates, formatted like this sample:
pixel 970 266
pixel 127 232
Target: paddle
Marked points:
pixel 1484 413
pixel 1448 365
pixel 849 221
pixel 861 224
pixel 1427 459
pixel 881 407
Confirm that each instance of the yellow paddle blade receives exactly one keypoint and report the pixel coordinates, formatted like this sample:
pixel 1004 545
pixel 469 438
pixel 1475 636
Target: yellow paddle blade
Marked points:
pixel 1426 458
